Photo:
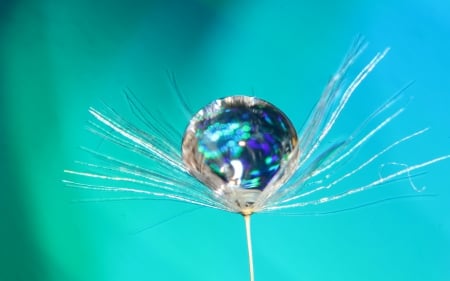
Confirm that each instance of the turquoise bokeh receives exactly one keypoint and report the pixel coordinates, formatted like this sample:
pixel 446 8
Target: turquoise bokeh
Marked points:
pixel 57 58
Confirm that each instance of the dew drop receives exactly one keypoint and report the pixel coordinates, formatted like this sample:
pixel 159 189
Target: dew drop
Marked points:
pixel 240 143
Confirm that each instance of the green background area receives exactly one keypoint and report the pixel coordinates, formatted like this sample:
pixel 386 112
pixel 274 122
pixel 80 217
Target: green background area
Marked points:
pixel 58 58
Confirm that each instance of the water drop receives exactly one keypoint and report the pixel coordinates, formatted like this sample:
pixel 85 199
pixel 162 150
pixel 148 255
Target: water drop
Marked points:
pixel 238 146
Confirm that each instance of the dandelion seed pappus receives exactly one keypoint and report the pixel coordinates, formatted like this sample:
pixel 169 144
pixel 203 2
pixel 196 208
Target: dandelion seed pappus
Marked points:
pixel 243 155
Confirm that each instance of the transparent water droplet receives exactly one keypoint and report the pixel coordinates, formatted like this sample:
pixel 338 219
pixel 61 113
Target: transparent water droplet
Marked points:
pixel 240 145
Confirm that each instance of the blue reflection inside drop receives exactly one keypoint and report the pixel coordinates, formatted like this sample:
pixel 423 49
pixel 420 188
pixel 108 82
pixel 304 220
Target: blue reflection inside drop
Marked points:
pixel 242 140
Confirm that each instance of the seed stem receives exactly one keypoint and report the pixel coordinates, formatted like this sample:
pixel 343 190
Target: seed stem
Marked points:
pixel 249 246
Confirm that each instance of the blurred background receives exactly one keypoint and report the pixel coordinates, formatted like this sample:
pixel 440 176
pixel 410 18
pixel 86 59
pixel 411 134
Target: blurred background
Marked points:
pixel 58 58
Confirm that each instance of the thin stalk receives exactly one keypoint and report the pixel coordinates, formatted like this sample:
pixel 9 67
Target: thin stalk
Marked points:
pixel 249 246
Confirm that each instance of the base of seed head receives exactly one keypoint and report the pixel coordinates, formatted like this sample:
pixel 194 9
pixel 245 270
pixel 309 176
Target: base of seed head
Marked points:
pixel 238 146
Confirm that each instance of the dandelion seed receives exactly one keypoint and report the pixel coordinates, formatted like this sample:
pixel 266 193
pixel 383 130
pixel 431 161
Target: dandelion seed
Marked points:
pixel 243 155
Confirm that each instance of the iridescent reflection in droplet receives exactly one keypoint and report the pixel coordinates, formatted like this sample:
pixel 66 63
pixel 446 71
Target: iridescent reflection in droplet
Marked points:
pixel 239 142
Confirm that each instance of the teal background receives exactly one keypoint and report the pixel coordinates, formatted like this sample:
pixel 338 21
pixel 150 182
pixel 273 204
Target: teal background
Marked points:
pixel 57 58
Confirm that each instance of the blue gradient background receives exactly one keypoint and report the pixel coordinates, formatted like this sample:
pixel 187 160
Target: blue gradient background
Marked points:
pixel 57 58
